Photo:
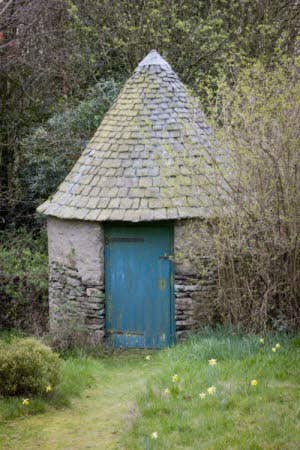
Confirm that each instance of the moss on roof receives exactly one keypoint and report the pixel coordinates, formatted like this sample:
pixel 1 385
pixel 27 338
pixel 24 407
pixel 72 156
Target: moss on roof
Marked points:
pixel 146 161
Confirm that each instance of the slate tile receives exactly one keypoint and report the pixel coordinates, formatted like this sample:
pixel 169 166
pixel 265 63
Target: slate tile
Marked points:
pixel 147 159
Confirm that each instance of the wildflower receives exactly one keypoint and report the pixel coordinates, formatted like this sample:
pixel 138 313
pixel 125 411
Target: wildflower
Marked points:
pixel 49 388
pixel 25 402
pixel 202 395
pixel 277 345
pixel 175 378
pixel 212 362
pixel 148 357
pixel 274 349
pixel 154 435
pixel 211 390
pixel 167 391
pixel 254 382
pixel 262 341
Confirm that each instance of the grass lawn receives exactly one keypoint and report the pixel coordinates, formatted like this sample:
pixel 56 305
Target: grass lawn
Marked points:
pixel 238 415
pixel 91 407
pixel 121 400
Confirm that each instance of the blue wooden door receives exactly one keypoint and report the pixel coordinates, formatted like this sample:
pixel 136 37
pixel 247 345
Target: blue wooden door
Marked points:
pixel 139 285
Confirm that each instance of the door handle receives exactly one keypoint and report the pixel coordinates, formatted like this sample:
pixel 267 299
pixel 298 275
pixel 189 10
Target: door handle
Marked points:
pixel 167 257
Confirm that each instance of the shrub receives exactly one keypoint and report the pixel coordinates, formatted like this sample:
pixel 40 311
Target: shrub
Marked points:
pixel 257 242
pixel 23 282
pixel 50 151
pixel 27 367
pixel 252 187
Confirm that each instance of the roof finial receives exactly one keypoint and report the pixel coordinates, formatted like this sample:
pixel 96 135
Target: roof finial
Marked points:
pixel 154 59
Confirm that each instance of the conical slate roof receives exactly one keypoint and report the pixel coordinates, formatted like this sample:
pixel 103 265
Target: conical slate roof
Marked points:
pixel 147 159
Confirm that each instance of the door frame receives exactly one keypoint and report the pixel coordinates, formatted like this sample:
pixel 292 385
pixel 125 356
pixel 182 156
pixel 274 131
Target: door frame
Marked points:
pixel 170 224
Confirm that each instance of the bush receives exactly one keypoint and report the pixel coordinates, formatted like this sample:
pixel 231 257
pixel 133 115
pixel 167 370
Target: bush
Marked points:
pixel 23 282
pixel 27 367
pixel 50 151
pixel 257 242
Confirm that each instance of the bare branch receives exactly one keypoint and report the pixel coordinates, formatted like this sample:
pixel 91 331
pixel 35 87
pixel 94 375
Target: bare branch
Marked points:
pixel 2 11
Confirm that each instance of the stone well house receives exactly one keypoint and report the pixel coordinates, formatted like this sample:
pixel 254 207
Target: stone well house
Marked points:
pixel 129 224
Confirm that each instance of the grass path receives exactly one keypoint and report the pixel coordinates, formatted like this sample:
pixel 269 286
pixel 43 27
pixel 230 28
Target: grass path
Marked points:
pixel 238 414
pixel 95 421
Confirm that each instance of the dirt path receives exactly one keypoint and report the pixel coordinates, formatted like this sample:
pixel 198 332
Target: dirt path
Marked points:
pixel 95 421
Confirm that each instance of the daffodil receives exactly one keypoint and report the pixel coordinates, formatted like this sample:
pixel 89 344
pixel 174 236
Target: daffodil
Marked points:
pixel 25 402
pixel 274 349
pixel 211 390
pixel 277 345
pixel 148 357
pixel 175 378
pixel 167 391
pixel 49 388
pixel 202 395
pixel 212 362
pixel 154 435
pixel 262 341
pixel 254 382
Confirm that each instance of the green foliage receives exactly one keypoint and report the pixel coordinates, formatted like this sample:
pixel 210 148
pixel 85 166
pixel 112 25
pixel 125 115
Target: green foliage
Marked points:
pixel 68 46
pixel 203 40
pixel 255 194
pixel 24 281
pixel 266 414
pixel 232 54
pixel 50 150
pixel 75 375
pixel 27 367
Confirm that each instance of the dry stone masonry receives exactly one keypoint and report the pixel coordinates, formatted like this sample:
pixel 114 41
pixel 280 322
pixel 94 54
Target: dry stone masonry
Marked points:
pixel 148 161
pixel 195 278
pixel 76 285
pixel 74 303
pixel 76 278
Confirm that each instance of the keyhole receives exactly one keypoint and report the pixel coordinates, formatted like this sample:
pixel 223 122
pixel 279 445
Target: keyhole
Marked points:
pixel 162 284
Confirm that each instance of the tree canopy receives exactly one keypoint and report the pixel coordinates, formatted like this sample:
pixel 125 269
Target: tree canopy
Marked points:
pixel 53 54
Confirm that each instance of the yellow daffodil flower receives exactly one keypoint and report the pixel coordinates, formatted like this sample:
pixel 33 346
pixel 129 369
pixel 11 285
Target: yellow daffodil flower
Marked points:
pixel 254 382
pixel 277 345
pixel 274 349
pixel 25 402
pixel 212 362
pixel 211 390
pixel 175 378
pixel 49 388
pixel 148 357
pixel 262 341
pixel 202 395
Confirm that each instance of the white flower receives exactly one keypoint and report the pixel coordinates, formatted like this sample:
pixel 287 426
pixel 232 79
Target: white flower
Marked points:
pixel 211 390
pixel 154 435
pixel 212 362
pixel 175 378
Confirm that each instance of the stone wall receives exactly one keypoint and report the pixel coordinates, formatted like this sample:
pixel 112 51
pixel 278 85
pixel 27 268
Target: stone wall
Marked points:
pixel 76 284
pixel 76 278
pixel 195 279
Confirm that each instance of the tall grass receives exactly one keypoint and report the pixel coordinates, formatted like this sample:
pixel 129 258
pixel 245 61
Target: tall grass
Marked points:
pixel 77 374
pixel 238 415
